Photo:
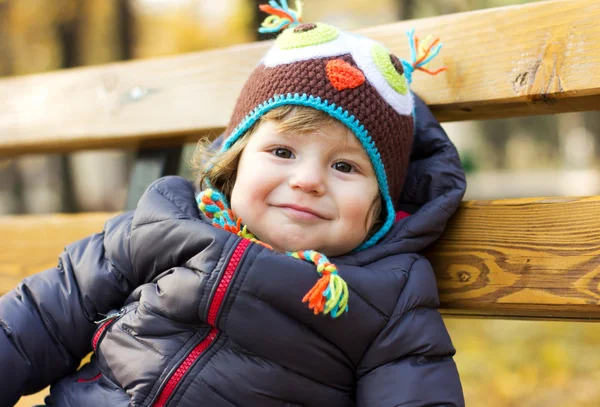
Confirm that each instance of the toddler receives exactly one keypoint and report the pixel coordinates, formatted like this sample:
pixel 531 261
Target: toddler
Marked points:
pixel 291 279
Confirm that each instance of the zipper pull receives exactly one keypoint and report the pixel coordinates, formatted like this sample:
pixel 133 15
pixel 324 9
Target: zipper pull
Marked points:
pixel 113 315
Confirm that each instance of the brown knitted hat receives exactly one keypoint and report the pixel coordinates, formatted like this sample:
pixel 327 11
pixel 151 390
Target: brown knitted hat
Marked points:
pixel 352 78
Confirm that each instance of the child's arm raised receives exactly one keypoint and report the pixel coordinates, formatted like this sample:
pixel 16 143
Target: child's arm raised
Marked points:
pixel 410 362
pixel 47 321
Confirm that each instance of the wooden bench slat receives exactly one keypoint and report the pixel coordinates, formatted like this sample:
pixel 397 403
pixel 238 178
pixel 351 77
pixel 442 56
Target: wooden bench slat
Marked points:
pixel 533 258
pixel 523 258
pixel 522 60
pixel 32 243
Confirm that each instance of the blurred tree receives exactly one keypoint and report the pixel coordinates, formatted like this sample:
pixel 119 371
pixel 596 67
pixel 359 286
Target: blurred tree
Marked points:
pixel 125 21
pixel 406 9
pixel 104 34
pixel 10 201
pixel 31 45
pixel 67 24
pixel 68 27
pixel 169 27
pixel 5 51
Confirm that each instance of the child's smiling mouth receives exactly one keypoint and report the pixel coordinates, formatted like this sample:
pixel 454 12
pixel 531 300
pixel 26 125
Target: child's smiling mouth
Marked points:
pixel 301 212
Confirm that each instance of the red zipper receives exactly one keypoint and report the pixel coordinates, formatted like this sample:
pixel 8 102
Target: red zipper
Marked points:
pixel 236 257
pixel 91 379
pixel 184 367
pixel 99 333
pixel 108 319
pixel 213 311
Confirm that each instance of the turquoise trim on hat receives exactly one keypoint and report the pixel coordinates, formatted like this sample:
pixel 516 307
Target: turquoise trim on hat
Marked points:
pixel 347 119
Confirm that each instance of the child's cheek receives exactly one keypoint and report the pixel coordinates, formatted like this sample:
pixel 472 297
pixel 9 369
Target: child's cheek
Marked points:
pixel 249 202
pixel 358 211
pixel 240 198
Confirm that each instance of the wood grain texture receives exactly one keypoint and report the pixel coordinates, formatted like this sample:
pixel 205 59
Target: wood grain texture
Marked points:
pixel 534 258
pixel 32 243
pixel 524 258
pixel 533 59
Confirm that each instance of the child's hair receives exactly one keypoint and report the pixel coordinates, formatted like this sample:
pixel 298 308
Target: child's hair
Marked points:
pixel 219 169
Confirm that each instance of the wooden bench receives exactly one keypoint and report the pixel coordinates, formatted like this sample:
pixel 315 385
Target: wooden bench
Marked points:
pixel 534 258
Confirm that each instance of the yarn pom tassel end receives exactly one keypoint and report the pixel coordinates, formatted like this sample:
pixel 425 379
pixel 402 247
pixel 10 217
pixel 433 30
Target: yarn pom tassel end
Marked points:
pixel 330 293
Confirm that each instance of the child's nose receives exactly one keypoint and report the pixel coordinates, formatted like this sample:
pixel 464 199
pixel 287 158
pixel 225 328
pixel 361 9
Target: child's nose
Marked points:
pixel 308 178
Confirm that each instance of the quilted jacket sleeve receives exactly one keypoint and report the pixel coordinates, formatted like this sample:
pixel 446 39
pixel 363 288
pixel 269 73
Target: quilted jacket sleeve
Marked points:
pixel 46 322
pixel 410 362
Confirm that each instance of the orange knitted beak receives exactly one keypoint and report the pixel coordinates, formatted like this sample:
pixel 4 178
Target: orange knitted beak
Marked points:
pixel 342 75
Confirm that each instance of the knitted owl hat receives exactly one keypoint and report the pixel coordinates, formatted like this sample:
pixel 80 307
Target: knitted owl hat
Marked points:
pixel 353 79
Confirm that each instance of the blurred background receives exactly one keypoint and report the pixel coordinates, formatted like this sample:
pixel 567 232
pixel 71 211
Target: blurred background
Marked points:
pixel 502 363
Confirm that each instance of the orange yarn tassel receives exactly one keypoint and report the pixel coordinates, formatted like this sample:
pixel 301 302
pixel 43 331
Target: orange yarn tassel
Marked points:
pixel 315 298
pixel 279 13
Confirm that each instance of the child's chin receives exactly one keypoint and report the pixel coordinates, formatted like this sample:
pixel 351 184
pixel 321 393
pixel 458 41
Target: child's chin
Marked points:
pixel 285 241
pixel 287 245
pixel 287 248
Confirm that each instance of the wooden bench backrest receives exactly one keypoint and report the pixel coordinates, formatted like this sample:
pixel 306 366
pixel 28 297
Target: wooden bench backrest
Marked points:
pixel 523 258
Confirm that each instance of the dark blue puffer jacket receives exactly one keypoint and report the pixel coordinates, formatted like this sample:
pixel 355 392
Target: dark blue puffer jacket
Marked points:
pixel 200 317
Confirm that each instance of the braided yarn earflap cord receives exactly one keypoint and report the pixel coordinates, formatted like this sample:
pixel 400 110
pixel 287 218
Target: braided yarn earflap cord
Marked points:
pixel 213 205
pixel 328 296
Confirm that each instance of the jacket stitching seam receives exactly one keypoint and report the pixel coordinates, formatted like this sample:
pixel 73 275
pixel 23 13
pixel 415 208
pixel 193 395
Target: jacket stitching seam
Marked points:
pixel 368 303
pixel 248 293
pixel 394 313
pixel 150 222
pixel 215 391
pixel 50 328
pixel 161 192
pixel 308 378
pixel 415 308
pixel 130 333
pixel 156 188
pixel 48 322
pixel 406 224
pixel 111 265
pixel 373 307
pixel 11 338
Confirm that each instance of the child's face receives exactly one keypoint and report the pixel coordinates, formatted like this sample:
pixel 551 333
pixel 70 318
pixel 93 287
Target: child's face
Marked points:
pixel 309 191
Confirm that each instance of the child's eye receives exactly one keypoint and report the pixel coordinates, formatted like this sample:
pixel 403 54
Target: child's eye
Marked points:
pixel 342 167
pixel 283 153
